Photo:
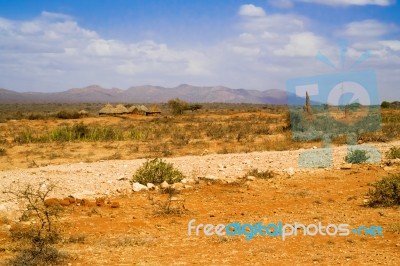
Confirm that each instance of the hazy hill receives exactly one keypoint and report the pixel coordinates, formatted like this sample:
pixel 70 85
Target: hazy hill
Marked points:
pixel 149 94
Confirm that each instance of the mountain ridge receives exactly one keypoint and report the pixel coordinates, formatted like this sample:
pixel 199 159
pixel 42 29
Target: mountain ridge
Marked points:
pixel 149 94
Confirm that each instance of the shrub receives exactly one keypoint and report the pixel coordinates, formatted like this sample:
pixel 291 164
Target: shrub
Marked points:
pixel 357 156
pixel 68 115
pixel 386 193
pixel 32 257
pixel 157 171
pixel 2 151
pixel 39 238
pixel 393 153
pixel 385 104
pixel 36 117
pixel 178 106
pixel 260 174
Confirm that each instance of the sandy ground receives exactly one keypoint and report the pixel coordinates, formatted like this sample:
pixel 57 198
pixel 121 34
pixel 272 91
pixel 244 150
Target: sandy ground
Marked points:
pixel 137 234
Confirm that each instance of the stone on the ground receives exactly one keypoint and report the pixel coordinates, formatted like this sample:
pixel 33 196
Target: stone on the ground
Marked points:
pixel 164 185
pixel 177 186
pixel 290 171
pixel 138 187
pixel 188 181
pixel 151 186
pixel 211 177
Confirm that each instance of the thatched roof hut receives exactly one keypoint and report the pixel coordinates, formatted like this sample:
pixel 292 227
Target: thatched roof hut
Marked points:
pixel 120 109
pixel 138 109
pixel 110 110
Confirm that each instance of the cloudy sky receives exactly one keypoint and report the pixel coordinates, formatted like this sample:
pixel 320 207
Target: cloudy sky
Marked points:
pixel 54 45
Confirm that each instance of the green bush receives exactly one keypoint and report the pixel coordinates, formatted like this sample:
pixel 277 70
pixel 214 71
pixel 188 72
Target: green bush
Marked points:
pixel 68 115
pixel 178 106
pixel 386 193
pixel 36 117
pixel 157 171
pixel 357 156
pixel 393 153
pixel 385 104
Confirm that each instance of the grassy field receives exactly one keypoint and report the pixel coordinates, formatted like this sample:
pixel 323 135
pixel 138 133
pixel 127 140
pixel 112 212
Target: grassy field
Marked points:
pixel 34 135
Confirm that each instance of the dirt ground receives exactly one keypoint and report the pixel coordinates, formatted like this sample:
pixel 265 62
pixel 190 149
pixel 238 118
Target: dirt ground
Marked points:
pixel 138 233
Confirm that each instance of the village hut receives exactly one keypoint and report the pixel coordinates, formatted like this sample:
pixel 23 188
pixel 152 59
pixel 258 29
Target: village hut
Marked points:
pixel 120 109
pixel 138 109
pixel 106 110
pixel 143 108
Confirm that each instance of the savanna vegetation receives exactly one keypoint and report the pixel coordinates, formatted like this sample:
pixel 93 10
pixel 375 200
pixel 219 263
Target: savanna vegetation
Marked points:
pixel 39 134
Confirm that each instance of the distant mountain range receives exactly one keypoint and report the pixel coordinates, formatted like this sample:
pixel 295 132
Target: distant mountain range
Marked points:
pixel 151 94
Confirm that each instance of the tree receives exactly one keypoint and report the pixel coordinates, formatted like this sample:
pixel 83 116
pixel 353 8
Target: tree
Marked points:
pixel 385 104
pixel 178 106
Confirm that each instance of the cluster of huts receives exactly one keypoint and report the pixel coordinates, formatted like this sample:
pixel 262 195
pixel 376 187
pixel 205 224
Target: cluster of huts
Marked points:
pixel 121 109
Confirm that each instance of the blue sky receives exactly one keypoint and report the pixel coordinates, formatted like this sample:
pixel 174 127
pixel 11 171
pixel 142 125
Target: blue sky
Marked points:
pixel 56 45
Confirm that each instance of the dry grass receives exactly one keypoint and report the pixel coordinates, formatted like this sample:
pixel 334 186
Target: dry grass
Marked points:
pixel 217 128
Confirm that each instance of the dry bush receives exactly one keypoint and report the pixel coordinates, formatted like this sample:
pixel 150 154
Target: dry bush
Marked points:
pixel 38 240
pixel 386 192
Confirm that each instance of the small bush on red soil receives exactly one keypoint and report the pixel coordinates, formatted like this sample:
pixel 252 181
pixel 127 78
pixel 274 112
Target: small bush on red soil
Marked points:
pixel 260 174
pixel 157 171
pixel 386 193
pixel 37 241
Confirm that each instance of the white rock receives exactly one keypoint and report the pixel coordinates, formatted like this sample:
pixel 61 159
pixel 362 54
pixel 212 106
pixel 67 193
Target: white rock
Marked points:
pixel 314 147
pixel 164 185
pixel 188 186
pixel 151 186
pixel 290 171
pixel 188 181
pixel 211 177
pixel 122 178
pixel 138 187
pixel 250 177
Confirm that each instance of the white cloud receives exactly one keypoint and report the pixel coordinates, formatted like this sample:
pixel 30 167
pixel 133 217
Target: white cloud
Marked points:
pixel 301 44
pixel 251 10
pixel 281 3
pixel 391 44
pixel 366 29
pixel 53 52
pixel 350 2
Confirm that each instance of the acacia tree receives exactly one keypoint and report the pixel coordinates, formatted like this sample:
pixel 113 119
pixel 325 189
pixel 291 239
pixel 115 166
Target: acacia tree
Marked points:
pixel 178 106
